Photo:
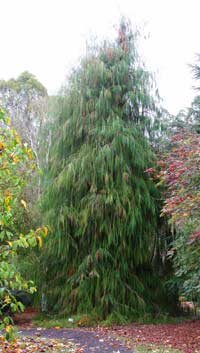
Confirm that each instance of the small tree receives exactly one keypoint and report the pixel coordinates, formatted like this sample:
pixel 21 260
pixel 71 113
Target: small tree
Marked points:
pixel 15 164
pixel 100 204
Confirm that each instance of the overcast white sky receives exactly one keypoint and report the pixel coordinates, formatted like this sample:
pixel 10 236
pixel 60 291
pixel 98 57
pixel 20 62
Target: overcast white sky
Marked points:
pixel 46 37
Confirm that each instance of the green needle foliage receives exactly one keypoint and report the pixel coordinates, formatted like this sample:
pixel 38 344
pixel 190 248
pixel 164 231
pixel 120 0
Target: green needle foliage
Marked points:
pixel 100 204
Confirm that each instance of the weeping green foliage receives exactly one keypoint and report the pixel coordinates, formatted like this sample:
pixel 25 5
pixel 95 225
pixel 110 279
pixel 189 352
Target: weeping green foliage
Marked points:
pixel 99 202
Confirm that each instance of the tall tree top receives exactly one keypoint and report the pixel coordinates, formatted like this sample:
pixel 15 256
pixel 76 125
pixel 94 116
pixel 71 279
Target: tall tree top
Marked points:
pixel 125 35
pixel 24 80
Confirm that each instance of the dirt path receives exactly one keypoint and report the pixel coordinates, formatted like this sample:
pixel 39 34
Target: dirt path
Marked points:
pixel 90 342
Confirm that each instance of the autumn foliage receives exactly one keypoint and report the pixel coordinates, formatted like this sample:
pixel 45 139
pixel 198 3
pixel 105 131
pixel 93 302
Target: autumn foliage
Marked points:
pixel 182 177
pixel 15 164
pixel 179 172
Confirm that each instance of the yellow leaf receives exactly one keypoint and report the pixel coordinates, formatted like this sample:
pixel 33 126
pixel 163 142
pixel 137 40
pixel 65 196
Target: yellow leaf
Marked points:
pixel 40 241
pixel 7 299
pixel 7 200
pixel 17 139
pixel 10 243
pixel 30 153
pixel 9 120
pixel 24 204
pixel 2 145
pixel 46 231
pixel 8 328
pixel 16 159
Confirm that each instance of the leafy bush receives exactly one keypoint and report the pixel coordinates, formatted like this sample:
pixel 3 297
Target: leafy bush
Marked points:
pixel 186 264
pixel 180 173
pixel 15 165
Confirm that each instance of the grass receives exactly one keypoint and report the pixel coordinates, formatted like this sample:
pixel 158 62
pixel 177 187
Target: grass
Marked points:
pixel 154 349
pixel 88 320
pixel 53 321
pixel 164 319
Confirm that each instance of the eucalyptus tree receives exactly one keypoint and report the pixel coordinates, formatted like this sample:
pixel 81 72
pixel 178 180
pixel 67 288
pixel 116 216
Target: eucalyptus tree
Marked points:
pixel 99 203
pixel 193 114
pixel 25 99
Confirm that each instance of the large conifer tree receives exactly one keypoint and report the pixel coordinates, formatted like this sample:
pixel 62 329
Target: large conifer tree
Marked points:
pixel 99 202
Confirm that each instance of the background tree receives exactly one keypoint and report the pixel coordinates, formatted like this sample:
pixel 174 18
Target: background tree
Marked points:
pixel 25 99
pixel 100 204
pixel 193 114
pixel 189 118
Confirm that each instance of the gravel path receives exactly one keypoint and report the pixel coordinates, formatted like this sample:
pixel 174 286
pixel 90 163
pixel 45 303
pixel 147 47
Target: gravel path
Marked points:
pixel 91 342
